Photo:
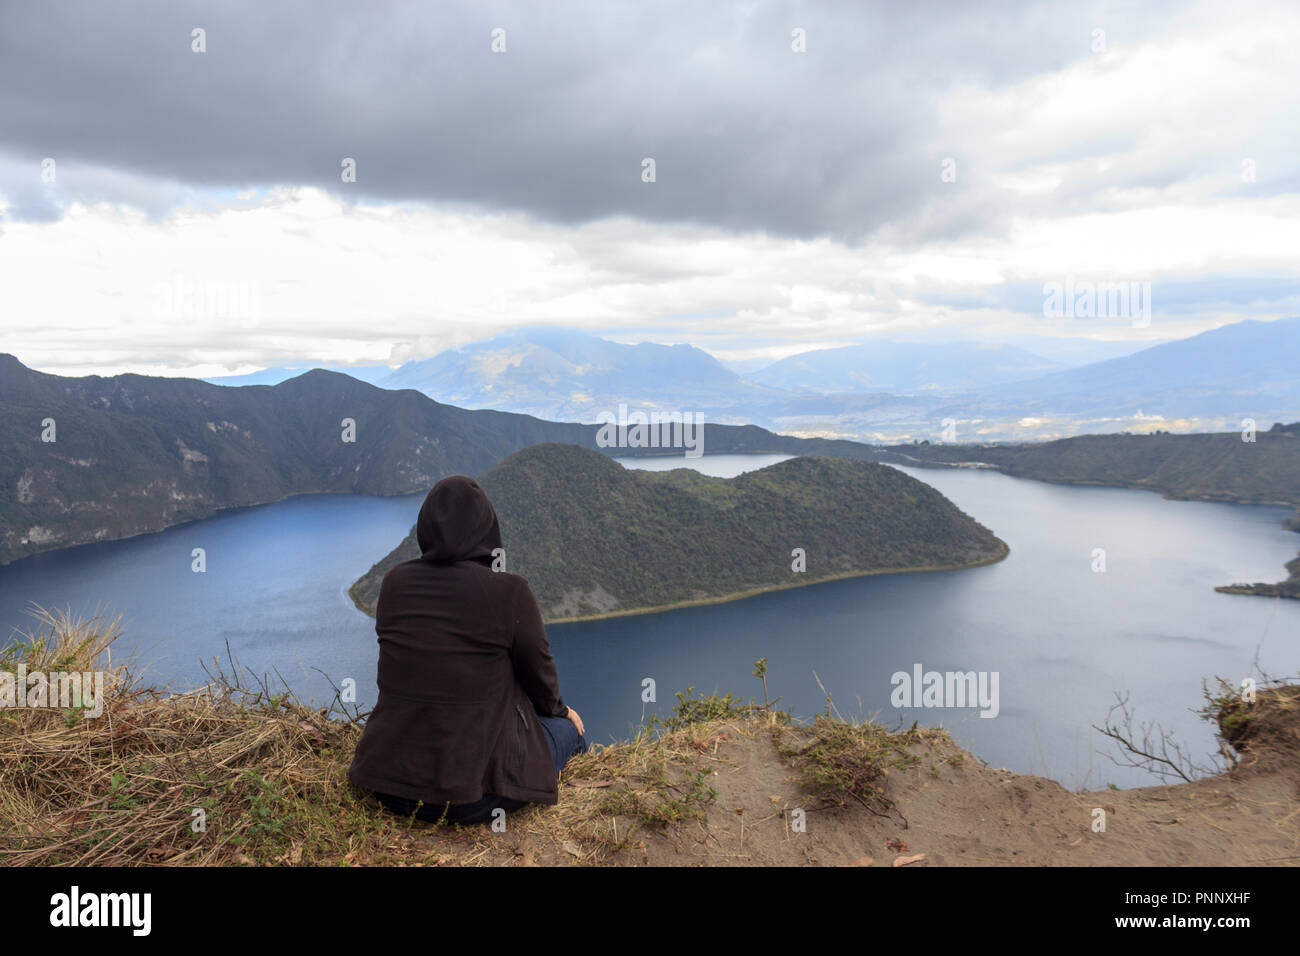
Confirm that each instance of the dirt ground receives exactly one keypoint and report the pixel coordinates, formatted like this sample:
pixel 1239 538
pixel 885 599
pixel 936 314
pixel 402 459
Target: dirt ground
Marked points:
pixel 951 810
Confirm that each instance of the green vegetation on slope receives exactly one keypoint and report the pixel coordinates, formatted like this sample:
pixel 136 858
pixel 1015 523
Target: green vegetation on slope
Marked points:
pixel 133 454
pixel 595 538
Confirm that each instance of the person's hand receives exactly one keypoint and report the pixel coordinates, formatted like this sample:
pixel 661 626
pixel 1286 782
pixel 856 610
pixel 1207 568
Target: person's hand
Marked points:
pixel 577 721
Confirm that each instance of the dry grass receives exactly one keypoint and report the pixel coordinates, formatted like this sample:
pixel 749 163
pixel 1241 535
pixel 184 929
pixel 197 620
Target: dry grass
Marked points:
pixel 267 777
pixel 840 761
pixel 1266 730
pixel 226 774
pixel 612 796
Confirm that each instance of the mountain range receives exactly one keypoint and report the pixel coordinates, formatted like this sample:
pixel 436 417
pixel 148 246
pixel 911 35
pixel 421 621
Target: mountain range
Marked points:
pixel 561 374
pixel 904 367
pixel 881 391
pixel 1248 369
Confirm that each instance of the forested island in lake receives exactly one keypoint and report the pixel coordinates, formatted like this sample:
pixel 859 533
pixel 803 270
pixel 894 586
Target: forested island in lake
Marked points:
pixel 594 538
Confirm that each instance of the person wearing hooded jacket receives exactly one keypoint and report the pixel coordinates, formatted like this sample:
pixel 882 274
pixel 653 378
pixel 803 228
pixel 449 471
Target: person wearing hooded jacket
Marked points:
pixel 469 717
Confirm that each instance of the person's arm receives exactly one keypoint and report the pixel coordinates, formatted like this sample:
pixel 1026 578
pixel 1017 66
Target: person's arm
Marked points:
pixel 531 656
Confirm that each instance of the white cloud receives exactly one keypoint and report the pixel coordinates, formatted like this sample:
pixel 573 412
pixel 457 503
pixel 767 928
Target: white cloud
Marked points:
pixel 1125 165
pixel 300 275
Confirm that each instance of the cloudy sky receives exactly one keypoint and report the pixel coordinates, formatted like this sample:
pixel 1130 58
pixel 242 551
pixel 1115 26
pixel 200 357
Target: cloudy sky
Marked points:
pixel 822 173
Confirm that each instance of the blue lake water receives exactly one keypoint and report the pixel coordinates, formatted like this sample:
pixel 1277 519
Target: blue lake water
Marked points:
pixel 1063 638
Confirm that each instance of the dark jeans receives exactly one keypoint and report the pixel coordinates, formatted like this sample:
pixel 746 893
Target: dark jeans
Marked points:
pixel 565 741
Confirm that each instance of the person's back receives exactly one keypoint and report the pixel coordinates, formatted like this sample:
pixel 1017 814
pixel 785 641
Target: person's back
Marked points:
pixel 469 716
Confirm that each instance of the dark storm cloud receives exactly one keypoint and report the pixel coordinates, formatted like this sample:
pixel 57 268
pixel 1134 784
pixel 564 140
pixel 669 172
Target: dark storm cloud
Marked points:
pixel 840 140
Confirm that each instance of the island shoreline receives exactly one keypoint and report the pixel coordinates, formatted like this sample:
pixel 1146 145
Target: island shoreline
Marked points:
pixel 752 592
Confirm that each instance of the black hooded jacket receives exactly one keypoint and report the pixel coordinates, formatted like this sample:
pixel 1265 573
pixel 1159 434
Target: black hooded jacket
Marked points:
pixel 464 668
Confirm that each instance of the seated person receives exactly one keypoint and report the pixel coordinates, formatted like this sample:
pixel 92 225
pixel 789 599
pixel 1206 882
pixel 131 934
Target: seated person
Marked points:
pixel 469 717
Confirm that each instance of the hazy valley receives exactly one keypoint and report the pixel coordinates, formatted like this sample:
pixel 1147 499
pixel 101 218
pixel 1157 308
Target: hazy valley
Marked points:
pixel 881 391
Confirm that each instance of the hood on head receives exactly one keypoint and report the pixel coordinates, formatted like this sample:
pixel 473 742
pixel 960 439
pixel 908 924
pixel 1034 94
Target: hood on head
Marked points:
pixel 457 522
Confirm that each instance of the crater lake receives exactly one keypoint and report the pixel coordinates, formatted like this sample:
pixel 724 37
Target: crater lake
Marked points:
pixel 1064 638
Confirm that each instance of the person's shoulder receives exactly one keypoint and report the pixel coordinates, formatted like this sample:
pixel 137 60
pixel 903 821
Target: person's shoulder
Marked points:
pixel 504 579
pixel 514 586
pixel 402 572
pixel 407 567
pixel 502 582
